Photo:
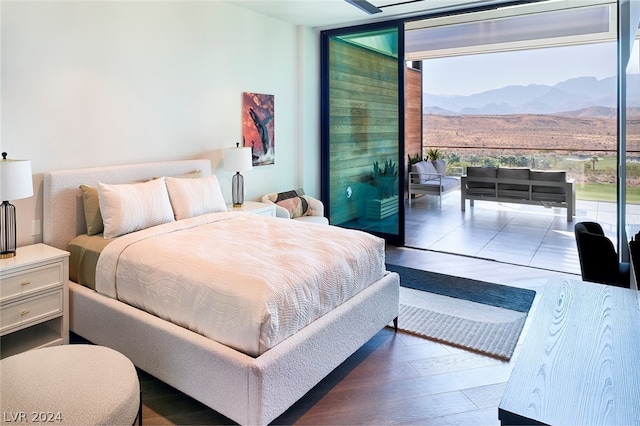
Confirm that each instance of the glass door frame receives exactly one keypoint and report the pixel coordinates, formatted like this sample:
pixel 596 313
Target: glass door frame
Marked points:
pixel 325 189
pixel 628 22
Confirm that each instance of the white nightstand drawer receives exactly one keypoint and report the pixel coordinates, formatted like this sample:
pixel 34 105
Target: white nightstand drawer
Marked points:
pixel 35 309
pixel 31 280
pixel 255 207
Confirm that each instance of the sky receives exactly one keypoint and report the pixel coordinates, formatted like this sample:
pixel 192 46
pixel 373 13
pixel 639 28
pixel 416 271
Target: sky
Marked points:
pixel 466 75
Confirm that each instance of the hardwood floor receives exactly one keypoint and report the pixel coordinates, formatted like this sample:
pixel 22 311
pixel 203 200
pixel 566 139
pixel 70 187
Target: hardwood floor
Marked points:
pixel 395 378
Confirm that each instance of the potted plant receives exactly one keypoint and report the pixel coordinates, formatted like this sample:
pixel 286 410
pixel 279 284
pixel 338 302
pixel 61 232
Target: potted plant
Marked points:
pixel 436 157
pixel 434 154
pixel 413 159
pixel 385 178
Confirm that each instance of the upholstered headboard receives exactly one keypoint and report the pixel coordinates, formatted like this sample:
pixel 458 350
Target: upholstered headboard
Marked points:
pixel 63 210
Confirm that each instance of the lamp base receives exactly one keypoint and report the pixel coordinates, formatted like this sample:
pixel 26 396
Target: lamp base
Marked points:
pixel 8 255
pixel 7 230
pixel 237 190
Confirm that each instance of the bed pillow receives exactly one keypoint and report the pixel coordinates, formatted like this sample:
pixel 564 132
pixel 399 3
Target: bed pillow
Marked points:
pixel 195 196
pixel 91 205
pixel 131 207
pixel 191 175
pixel 295 202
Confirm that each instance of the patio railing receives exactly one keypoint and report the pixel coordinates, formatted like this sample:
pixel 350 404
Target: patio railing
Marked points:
pixel 594 171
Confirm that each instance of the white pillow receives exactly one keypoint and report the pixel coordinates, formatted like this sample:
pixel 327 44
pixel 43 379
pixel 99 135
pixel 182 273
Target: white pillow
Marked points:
pixel 131 207
pixel 194 197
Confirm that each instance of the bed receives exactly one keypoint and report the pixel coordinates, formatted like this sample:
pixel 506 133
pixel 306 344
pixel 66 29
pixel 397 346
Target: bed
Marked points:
pixel 250 385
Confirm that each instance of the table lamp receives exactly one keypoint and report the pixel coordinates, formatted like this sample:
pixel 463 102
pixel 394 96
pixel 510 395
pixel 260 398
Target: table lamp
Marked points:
pixel 237 160
pixel 15 182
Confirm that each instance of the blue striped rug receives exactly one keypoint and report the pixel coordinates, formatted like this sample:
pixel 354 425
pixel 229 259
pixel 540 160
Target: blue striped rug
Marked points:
pixel 448 309
pixel 502 296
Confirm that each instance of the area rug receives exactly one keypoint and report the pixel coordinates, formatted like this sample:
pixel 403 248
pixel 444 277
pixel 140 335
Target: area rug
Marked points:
pixel 475 315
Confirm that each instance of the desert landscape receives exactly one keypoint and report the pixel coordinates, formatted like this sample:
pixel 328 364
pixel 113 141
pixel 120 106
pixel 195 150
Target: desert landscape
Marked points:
pixel 531 132
pixel 581 142
pixel 571 126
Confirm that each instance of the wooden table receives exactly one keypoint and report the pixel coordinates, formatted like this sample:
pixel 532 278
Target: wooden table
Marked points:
pixel 580 361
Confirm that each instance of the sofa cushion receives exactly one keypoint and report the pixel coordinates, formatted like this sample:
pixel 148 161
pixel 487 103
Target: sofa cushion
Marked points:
pixel 440 166
pixel 549 176
pixel 509 173
pixel 545 196
pixel 449 182
pixel 427 171
pixel 513 190
pixel 549 193
pixel 482 172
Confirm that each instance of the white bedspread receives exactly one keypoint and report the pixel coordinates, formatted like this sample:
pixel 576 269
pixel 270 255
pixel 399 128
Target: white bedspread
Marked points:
pixel 244 280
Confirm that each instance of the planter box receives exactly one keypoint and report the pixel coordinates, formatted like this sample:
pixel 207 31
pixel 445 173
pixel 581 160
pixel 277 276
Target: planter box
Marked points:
pixel 382 209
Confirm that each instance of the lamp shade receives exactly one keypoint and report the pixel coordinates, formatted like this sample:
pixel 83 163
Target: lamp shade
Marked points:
pixel 238 159
pixel 15 179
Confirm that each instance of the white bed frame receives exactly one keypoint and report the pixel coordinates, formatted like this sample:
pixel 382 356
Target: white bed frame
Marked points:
pixel 247 390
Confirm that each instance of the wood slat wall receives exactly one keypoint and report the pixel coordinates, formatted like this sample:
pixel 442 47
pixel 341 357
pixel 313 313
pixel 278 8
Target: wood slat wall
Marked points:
pixel 363 123
pixel 413 112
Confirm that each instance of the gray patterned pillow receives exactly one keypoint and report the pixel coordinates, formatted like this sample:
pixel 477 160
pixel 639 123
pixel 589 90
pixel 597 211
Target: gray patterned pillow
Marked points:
pixel 295 202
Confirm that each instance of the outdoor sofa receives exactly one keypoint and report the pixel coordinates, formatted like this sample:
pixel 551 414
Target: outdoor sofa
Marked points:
pixel 430 178
pixel 548 188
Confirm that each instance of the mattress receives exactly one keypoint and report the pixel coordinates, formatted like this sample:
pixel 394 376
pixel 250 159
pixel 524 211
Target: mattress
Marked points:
pixel 246 281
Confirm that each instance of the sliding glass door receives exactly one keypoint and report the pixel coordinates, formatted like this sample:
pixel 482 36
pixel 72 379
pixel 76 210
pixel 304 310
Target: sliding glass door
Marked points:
pixel 362 125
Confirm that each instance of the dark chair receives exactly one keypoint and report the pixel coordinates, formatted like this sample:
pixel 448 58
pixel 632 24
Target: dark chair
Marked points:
pixel 598 258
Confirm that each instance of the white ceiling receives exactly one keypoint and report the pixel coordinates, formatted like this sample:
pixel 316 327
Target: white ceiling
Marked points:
pixel 334 13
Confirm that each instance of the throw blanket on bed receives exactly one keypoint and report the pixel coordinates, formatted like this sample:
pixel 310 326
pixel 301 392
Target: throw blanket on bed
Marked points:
pixel 244 280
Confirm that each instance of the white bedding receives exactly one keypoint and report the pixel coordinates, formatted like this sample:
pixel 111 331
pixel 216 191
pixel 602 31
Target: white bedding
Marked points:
pixel 244 280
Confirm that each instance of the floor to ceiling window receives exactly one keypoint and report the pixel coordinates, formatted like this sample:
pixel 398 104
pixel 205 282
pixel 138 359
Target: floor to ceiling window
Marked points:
pixel 509 124
pixel 503 87
pixel 543 108
pixel 352 144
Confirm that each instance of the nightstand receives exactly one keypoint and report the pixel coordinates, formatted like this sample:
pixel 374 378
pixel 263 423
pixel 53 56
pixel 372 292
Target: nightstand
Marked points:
pixel 34 299
pixel 255 207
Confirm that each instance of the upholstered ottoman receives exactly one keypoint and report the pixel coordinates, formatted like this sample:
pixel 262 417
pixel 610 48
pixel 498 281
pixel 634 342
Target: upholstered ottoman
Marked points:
pixel 70 384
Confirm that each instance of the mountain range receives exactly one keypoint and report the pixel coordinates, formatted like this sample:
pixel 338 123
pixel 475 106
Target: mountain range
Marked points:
pixel 581 95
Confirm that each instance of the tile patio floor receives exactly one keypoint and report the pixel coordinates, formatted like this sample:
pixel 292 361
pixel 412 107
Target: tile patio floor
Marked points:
pixel 525 235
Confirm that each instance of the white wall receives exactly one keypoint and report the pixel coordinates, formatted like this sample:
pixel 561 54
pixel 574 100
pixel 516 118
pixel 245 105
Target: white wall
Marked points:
pixel 103 83
pixel 309 113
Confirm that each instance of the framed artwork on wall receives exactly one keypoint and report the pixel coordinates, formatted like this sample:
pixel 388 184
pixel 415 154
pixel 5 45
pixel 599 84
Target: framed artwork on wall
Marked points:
pixel 258 127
